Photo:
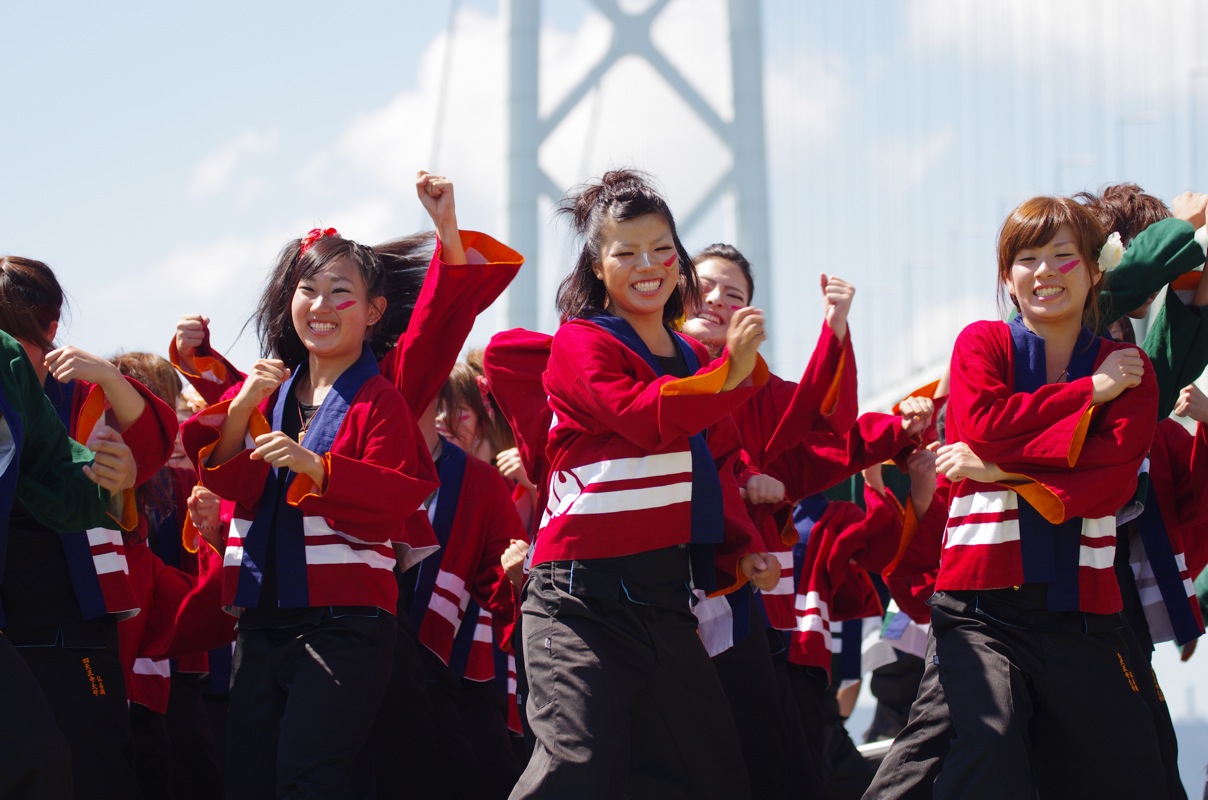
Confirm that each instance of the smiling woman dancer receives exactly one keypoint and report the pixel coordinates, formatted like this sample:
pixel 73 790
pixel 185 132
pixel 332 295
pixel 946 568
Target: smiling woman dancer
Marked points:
pixel 614 660
pixel 1047 425
pixel 322 494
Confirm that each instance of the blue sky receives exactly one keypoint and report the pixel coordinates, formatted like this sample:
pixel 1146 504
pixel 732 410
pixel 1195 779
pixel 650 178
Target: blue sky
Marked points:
pixel 158 156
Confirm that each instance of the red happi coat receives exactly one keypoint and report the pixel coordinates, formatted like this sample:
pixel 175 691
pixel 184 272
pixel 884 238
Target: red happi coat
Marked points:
pixel 1068 458
pixel 376 472
pixel 1178 463
pixel 844 545
pixel 97 557
pixel 620 466
pixel 467 567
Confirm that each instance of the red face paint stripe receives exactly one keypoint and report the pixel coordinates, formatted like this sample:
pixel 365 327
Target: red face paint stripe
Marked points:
pixel 346 304
pixel 671 260
pixel 1069 266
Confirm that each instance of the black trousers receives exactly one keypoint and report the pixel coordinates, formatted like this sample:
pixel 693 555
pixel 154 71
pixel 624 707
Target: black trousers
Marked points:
pixel 35 758
pixel 409 756
pixel 610 677
pixel 1039 701
pixel 302 706
pixel 483 709
pixel 196 761
pixel 81 677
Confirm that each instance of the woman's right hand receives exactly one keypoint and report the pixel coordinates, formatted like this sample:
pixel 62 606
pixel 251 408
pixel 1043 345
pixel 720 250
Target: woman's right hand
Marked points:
pixel 1192 403
pixel 957 461
pixel 266 375
pixel 204 512
pixel 1121 370
pixel 512 561
pixel 191 330
pixel 742 341
pixel 511 467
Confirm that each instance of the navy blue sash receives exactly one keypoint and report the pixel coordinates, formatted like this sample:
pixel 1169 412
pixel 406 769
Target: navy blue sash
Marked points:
pixel 708 509
pixel 1152 531
pixel 463 642
pixel 1050 552
pixel 292 591
pixel 451 469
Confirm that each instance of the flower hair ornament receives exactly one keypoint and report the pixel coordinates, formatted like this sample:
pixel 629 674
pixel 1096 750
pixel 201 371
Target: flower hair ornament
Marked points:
pixel 1112 253
pixel 315 235
pixel 484 390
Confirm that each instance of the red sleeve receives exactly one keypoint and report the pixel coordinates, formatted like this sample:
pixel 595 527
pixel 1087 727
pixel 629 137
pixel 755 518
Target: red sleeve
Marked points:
pixel 824 460
pixel 1041 436
pixel 880 532
pixel 911 576
pixel 824 401
pixel 592 387
pixel 150 438
pixel 169 588
pixel 213 375
pixel 390 474
pixel 200 624
pixel 239 480
pixel 1178 485
pixel 514 363
pixel 452 297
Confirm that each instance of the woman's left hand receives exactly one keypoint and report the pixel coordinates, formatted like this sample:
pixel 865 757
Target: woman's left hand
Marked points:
pixel 70 363
pixel 278 450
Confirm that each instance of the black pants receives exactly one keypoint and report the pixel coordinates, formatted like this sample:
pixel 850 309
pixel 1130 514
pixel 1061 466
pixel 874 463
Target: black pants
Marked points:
pixel 152 751
pixel 302 705
pixel 196 761
pixel 751 686
pixel 81 676
pixel 484 712
pixel 609 677
pixel 1037 700
pixel 35 758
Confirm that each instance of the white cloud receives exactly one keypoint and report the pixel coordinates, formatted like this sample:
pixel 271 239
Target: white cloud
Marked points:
pixel 215 171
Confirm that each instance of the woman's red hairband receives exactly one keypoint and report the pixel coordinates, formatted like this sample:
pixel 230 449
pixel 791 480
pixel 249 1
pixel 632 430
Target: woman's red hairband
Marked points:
pixel 315 235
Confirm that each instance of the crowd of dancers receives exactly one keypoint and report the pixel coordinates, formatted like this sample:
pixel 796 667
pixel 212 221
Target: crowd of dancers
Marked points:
pixel 610 562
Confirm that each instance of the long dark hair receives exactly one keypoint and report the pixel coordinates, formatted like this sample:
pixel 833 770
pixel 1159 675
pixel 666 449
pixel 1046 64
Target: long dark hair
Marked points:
pixel 405 263
pixel 619 195
pixel 274 322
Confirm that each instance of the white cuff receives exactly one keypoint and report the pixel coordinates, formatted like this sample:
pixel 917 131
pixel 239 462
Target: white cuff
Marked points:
pixel 1201 236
